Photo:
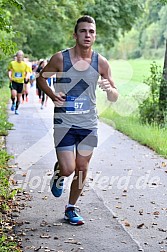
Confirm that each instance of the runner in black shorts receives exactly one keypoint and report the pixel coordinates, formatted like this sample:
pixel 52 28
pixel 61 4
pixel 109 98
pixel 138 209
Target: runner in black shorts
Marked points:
pixel 17 72
pixel 17 87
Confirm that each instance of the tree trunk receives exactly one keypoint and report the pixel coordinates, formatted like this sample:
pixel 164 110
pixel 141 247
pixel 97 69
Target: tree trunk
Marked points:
pixel 163 90
pixel 165 63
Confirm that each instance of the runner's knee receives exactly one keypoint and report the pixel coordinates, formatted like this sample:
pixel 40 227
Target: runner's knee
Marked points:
pixel 66 169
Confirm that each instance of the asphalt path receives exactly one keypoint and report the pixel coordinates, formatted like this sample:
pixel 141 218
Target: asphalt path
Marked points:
pixel 124 201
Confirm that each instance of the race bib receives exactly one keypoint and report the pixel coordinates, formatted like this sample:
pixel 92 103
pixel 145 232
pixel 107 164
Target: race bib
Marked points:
pixel 18 75
pixel 77 105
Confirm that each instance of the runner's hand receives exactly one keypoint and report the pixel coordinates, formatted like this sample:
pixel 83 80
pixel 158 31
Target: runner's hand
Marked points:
pixel 105 85
pixel 59 99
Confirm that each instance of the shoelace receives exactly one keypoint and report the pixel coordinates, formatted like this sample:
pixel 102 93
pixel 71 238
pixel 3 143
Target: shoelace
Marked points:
pixel 74 210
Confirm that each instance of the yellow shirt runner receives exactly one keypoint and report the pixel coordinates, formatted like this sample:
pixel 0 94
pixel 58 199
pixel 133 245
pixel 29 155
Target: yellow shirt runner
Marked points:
pixel 19 70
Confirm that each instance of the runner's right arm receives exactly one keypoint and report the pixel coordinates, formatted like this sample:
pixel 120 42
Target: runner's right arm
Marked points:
pixel 53 66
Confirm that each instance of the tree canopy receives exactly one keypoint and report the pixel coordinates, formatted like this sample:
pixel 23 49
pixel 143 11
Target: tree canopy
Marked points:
pixel 40 28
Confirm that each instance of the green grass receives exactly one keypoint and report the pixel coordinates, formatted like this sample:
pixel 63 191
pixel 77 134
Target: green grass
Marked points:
pixel 132 70
pixel 129 78
pixel 6 193
pixel 4 124
pixel 130 74
pixel 151 136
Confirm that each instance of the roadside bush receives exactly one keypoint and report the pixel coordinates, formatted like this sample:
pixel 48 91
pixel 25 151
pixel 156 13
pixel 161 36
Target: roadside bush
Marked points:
pixel 153 53
pixel 149 111
pixel 135 54
pixel 3 73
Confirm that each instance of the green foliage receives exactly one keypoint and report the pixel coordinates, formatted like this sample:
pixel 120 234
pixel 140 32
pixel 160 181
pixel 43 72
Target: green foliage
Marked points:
pixel 153 27
pixel 3 73
pixel 149 33
pixel 4 183
pixel 153 136
pixel 149 109
pixel 113 17
pixel 8 246
pixel 127 46
pixel 163 1
pixel 7 243
pixel 7 46
pixel 43 27
pixel 4 124
pixel 4 157
pixel 6 30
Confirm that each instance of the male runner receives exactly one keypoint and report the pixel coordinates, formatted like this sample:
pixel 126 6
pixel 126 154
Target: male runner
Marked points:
pixel 75 118
pixel 18 73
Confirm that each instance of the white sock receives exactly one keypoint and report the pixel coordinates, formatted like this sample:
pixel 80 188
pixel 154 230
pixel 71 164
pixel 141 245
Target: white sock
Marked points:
pixel 70 205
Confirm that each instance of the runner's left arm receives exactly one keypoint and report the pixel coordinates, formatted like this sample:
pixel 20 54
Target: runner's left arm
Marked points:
pixel 106 83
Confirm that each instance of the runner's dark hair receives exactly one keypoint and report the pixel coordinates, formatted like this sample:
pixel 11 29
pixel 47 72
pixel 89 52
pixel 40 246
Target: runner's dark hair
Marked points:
pixel 84 18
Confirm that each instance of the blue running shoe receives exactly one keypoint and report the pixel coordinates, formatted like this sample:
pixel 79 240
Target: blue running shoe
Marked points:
pixel 56 183
pixel 16 112
pixel 13 107
pixel 72 216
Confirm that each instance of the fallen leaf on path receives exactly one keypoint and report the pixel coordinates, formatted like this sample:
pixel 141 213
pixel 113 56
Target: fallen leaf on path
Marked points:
pixel 164 164
pixel 45 198
pixel 161 229
pixel 141 212
pixel 24 192
pixel 156 213
pixel 45 236
pixel 73 242
pixel 77 250
pixel 12 166
pixel 22 233
pixel 57 224
pixel 37 249
pixel 14 182
pixel 27 222
pixel 119 207
pixel 140 225
pixel 33 229
pixel 127 224
pixel 154 184
pixel 43 224
pixel 107 226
